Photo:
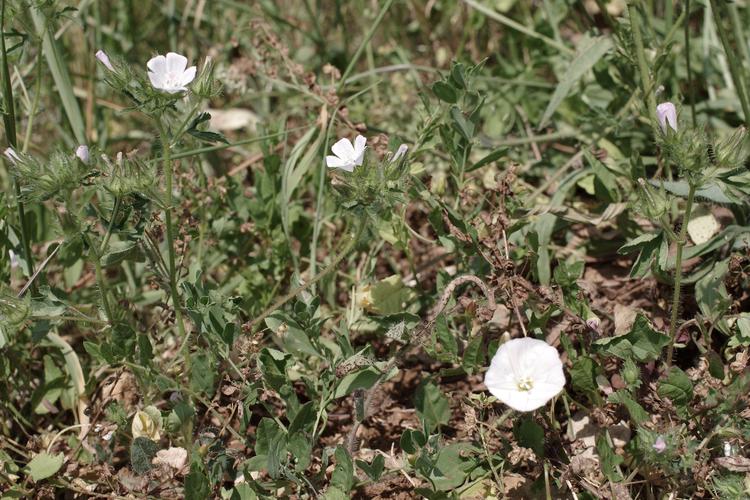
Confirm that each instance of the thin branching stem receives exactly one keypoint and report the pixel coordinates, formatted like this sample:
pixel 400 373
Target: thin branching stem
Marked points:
pixel 678 274
pixel 168 212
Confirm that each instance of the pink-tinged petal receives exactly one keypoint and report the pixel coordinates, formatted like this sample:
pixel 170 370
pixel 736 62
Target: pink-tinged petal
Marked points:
pixel 157 64
pixel 336 162
pixel 104 59
pixel 666 114
pixel 343 149
pixel 176 63
pixel 188 76
pixel 82 152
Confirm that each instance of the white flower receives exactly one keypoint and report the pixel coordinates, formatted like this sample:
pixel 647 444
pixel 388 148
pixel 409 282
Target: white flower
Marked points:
pixel 12 156
pixel 169 73
pixel 82 152
pixel 104 59
pixel 525 373
pixel 667 115
pixel 347 156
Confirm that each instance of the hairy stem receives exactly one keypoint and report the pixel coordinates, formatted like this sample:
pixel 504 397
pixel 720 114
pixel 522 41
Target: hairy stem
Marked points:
pixel 168 212
pixel 678 274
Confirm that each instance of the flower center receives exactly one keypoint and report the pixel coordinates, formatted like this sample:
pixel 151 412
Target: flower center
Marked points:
pixel 171 80
pixel 525 384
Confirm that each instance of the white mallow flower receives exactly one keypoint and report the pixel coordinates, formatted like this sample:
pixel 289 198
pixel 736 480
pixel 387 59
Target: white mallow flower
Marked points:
pixel 525 373
pixel 666 113
pixel 104 59
pixel 82 152
pixel 347 156
pixel 169 73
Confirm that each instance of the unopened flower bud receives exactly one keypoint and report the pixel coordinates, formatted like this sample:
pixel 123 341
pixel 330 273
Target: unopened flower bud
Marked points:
pixel 593 323
pixel 104 59
pixel 12 156
pixel 667 115
pixel 83 153
pixel 659 445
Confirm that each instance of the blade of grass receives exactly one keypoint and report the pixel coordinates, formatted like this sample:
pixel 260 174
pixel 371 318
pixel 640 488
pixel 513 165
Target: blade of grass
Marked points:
pixel 60 75
pixel 510 23
pixel 9 120
pixel 735 67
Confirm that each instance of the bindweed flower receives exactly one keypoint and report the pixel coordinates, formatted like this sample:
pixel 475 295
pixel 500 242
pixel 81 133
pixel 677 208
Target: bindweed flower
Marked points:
pixel 12 156
pixel 667 116
pixel 659 445
pixel 525 373
pixel 347 156
pixel 104 59
pixel 169 73
pixel 82 152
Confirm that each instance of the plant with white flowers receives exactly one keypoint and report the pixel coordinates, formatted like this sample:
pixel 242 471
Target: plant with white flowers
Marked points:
pixel 525 374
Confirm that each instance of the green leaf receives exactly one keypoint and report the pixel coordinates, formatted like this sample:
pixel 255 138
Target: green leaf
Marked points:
pixel 637 413
pixel 493 156
pixel 711 293
pixel 373 470
pixel 590 51
pixel 452 466
pixel 530 435
pixel 362 379
pixel 473 354
pixel 343 474
pixel 445 92
pixel 642 343
pixel 203 373
pixel 121 251
pixel 142 450
pixel 608 459
pixel 583 376
pixel 677 387
pixel 44 465
pixel 431 405
pixel 461 124
pixel 197 486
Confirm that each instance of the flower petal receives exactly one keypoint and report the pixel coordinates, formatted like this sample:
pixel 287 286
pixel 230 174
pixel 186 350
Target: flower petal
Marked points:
pixel 336 162
pixel 188 76
pixel 176 63
pixel 343 149
pixel 360 143
pixel 157 79
pixel 157 64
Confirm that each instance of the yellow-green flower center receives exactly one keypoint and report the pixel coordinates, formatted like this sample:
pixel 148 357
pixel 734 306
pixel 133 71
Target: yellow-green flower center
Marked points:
pixel 525 384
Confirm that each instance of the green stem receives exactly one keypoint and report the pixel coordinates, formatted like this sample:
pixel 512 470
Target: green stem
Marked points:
pixel 297 290
pixel 364 43
pixel 105 243
pixel 167 162
pixel 9 120
pixel 100 279
pixel 678 274
pixel 735 68
pixel 635 23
